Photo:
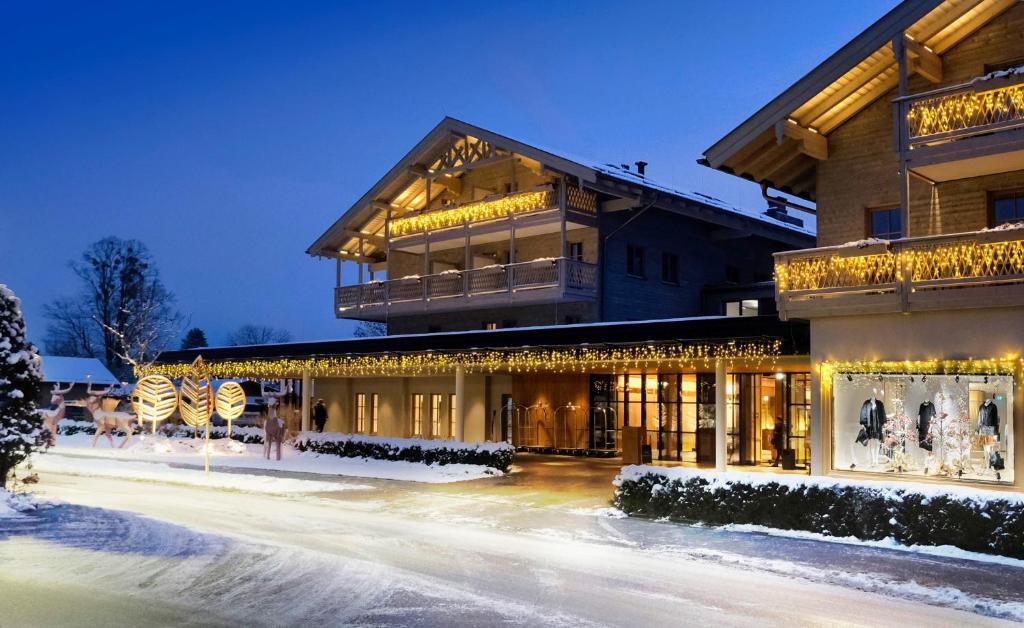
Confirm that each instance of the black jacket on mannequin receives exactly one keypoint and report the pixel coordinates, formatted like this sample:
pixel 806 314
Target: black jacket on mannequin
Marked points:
pixel 988 419
pixel 872 417
pixel 925 414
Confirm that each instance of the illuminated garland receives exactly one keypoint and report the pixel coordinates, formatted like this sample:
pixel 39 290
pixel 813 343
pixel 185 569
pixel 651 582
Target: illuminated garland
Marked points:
pixel 521 203
pixel 567 360
pixel 925 263
pixel 969 366
pixel 965 110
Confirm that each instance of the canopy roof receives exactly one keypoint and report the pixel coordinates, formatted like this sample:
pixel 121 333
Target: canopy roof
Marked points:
pixel 781 144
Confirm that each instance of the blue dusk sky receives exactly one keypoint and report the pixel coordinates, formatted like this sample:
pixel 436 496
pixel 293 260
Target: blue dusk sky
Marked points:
pixel 227 136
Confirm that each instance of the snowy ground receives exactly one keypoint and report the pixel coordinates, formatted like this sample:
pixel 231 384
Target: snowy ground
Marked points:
pixel 228 454
pixel 517 549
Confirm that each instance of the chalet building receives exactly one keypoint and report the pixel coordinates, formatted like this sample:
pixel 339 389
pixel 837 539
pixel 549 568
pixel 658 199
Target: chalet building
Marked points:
pixel 475 230
pixel 910 142
pixel 535 297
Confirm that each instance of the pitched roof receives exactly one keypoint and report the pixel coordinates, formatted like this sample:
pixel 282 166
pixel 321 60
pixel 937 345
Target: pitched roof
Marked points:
pixel 364 217
pixel 856 75
pixel 75 370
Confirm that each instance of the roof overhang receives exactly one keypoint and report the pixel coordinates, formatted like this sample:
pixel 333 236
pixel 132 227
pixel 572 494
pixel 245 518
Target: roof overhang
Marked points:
pixel 777 146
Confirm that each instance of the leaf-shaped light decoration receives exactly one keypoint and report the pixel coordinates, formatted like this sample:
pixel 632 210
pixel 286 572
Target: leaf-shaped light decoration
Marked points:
pixel 154 399
pixel 196 403
pixel 230 402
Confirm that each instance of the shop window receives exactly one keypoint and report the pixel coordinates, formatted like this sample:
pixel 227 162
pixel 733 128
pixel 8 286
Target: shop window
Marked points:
pixel 451 415
pixel 670 268
pixel 435 415
pixel 417 414
pixel 957 427
pixel 361 412
pixel 374 413
pixel 635 261
pixel 746 307
pixel 885 223
pixel 1006 207
pixel 576 251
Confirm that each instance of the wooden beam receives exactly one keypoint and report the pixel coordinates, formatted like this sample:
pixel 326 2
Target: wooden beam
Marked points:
pixel 923 60
pixel 487 161
pixel 619 204
pixel 810 143
pixel 373 239
pixel 452 184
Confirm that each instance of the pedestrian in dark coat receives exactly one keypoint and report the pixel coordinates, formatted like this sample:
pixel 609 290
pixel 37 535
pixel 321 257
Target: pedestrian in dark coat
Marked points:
pixel 320 415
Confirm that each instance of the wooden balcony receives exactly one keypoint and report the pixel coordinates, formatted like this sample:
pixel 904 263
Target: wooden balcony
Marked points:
pixel 969 270
pixel 967 130
pixel 539 281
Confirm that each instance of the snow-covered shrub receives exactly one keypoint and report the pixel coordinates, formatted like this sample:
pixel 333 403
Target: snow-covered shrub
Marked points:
pixel 241 433
pixel 21 424
pixel 495 455
pixel 971 519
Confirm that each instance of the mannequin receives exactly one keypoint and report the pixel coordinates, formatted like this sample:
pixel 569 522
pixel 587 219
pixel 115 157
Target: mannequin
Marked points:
pixel 872 417
pixel 925 415
pixel 988 429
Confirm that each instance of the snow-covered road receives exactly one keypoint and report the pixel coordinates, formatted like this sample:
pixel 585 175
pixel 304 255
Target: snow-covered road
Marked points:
pixel 477 553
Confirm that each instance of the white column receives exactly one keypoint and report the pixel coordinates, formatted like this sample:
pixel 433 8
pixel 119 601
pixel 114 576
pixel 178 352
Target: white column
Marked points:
pixel 721 421
pixel 460 403
pixel 307 390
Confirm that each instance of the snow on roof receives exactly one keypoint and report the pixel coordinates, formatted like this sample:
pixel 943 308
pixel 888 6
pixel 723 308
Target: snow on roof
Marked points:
pixel 77 370
pixel 698 197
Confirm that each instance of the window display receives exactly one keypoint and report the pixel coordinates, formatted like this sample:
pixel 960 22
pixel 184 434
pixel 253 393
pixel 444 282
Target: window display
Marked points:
pixel 956 426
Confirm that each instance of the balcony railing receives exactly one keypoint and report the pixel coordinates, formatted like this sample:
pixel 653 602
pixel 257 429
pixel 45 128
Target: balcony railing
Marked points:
pixel 492 209
pixel 991 103
pixel 969 270
pixel 527 282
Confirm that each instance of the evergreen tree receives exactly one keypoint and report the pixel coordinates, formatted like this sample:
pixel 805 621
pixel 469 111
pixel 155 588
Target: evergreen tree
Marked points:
pixel 194 339
pixel 21 425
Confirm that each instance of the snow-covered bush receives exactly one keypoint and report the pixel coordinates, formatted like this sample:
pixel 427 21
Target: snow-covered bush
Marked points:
pixel 241 433
pixel 971 519
pixel 21 425
pixel 495 455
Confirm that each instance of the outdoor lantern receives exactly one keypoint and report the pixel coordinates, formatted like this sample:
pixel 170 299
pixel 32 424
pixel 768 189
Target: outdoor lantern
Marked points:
pixel 154 399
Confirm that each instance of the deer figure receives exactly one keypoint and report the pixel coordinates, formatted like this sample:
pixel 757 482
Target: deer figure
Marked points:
pixel 273 427
pixel 107 420
pixel 58 408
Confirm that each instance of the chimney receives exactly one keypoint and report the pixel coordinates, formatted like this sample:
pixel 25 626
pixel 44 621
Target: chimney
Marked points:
pixel 641 166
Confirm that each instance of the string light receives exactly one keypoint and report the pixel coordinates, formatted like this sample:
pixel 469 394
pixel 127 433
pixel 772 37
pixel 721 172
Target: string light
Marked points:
pixel 579 359
pixel 964 110
pixel 520 203
pixel 969 366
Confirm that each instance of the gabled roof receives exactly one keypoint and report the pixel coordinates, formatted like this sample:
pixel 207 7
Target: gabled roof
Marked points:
pixel 365 217
pixel 67 370
pixel 859 73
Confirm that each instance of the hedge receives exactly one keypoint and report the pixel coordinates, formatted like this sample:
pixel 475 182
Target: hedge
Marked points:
pixel 495 455
pixel 243 434
pixel 973 520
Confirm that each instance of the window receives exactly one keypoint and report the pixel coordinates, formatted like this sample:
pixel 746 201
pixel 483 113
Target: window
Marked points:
pixel 885 223
pixel 451 415
pixel 576 251
pixel 746 307
pixel 1006 207
pixel 417 414
pixel 635 260
pixel 374 412
pixel 361 412
pixel 435 415
pixel 490 325
pixel 670 268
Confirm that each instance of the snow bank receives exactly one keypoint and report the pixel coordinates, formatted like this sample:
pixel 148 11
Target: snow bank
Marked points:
pixel 15 504
pixel 969 519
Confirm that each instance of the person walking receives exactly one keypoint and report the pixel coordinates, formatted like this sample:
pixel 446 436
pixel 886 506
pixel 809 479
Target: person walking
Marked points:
pixel 320 415
pixel 778 440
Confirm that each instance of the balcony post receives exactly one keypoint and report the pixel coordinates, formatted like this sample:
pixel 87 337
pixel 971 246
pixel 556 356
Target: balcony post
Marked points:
pixel 511 238
pixel 899 128
pixel 337 272
pixel 468 260
pixel 562 193
pixel 360 261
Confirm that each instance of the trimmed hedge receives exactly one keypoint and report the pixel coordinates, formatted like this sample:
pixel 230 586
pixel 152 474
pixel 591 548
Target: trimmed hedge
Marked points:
pixel 977 521
pixel 243 434
pixel 495 455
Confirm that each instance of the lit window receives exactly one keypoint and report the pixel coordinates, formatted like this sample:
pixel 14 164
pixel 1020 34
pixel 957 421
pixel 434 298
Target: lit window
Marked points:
pixel 1007 207
pixel 886 223
pixel 374 412
pixel 451 415
pixel 361 412
pixel 435 415
pixel 746 307
pixel 490 325
pixel 417 414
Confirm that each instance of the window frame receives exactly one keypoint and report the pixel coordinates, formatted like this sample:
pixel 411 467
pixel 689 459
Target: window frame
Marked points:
pixel 636 253
pixel 1015 193
pixel 673 279
pixel 374 413
pixel 360 413
pixel 436 401
pixel 451 416
pixel 869 213
pixel 417 414
pixel 576 254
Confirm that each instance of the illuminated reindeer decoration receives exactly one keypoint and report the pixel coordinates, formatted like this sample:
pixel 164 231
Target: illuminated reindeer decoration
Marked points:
pixel 273 427
pixel 106 420
pixel 58 408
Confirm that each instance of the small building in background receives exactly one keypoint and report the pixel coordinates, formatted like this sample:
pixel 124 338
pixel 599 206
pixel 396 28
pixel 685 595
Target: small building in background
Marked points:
pixel 61 371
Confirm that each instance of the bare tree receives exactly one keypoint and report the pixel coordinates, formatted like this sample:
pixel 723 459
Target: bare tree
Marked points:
pixel 124 314
pixel 258 335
